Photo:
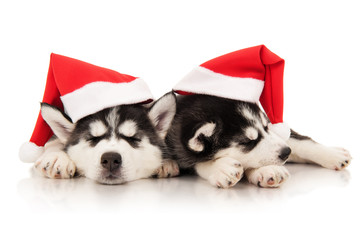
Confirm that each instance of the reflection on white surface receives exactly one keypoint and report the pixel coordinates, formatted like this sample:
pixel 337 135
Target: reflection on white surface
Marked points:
pixel 315 203
pixel 81 194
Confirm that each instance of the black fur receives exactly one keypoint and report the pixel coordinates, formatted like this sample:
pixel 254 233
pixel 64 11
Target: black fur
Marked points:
pixel 193 111
pixel 298 136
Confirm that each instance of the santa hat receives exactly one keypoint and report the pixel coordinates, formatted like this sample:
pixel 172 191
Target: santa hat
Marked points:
pixel 252 74
pixel 81 89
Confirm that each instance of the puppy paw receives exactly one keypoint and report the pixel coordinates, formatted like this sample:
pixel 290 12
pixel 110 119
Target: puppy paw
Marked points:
pixel 168 169
pixel 268 176
pixel 222 173
pixel 55 165
pixel 335 158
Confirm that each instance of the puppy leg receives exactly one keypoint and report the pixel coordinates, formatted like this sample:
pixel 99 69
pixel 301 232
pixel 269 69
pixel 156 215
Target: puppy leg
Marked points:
pixel 305 150
pixel 223 172
pixel 271 176
pixel 55 163
pixel 169 168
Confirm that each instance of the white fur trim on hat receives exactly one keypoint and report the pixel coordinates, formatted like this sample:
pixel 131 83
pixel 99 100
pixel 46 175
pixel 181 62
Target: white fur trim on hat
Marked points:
pixel 204 81
pixel 281 129
pixel 29 152
pixel 97 96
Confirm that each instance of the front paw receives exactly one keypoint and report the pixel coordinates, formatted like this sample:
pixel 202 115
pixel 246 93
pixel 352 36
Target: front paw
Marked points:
pixel 268 176
pixel 168 169
pixel 55 165
pixel 336 158
pixel 222 173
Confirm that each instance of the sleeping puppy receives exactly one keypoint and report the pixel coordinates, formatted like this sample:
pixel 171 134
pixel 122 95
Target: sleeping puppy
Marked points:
pixel 224 139
pixel 113 146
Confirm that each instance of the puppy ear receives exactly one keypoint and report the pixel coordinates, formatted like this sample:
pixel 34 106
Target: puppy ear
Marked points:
pixel 199 142
pixel 162 112
pixel 58 121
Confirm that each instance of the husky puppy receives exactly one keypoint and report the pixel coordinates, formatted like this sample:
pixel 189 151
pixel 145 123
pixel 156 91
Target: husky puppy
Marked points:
pixel 113 146
pixel 223 139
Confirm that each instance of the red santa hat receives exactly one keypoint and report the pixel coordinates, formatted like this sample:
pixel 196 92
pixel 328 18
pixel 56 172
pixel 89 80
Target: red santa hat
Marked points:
pixel 81 89
pixel 252 74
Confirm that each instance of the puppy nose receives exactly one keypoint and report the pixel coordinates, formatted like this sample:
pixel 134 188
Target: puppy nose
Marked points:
pixel 111 160
pixel 285 152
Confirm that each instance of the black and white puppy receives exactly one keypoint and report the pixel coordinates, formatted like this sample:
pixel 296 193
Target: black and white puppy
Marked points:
pixel 113 146
pixel 222 139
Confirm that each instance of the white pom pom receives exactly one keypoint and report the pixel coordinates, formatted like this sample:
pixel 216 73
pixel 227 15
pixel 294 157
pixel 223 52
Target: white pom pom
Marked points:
pixel 281 129
pixel 29 152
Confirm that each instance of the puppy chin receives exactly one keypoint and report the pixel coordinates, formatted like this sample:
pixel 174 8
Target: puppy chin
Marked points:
pixel 110 180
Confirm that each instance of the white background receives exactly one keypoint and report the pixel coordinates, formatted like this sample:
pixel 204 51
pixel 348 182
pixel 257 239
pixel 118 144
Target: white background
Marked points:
pixel 161 41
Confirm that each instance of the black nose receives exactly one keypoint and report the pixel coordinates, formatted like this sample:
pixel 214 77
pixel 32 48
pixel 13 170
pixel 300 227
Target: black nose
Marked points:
pixel 285 152
pixel 111 160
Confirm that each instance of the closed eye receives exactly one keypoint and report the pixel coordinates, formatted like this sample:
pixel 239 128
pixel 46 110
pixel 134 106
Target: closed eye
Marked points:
pixel 132 139
pixel 95 139
pixel 246 141
pixel 248 144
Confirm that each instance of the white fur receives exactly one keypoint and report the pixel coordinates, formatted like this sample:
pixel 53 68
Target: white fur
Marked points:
pixel 268 176
pixel 113 117
pixel 248 114
pixel 223 172
pixel 265 153
pixel 136 162
pixel 207 130
pixel 251 133
pixel 310 151
pixel 55 163
pixel 264 119
pixel 97 128
pixel 169 168
pixel 128 128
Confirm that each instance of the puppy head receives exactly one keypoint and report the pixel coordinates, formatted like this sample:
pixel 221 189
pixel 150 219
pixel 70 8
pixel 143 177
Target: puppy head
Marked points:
pixel 117 144
pixel 242 135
